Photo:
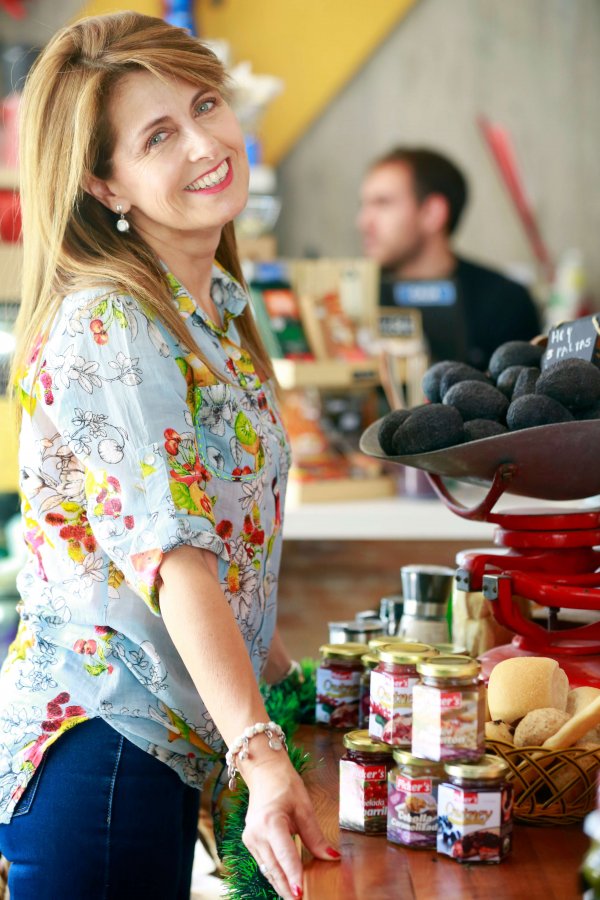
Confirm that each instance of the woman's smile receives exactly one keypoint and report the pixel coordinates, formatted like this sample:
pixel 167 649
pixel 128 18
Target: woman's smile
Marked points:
pixel 213 181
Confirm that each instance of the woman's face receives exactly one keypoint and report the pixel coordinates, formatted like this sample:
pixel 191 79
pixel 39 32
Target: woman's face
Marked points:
pixel 179 161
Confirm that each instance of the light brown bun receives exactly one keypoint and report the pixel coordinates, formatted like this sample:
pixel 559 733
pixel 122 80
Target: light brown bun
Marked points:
pixel 577 700
pixel 519 685
pixel 498 731
pixel 538 725
pixel 576 728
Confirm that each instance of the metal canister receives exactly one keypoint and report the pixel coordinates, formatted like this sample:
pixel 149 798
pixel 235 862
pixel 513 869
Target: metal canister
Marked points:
pixel 359 632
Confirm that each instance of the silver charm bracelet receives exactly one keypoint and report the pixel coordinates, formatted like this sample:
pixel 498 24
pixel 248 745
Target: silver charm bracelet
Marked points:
pixel 240 749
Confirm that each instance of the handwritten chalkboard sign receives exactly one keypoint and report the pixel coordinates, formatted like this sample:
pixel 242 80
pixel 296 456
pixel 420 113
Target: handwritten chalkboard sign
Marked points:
pixel 574 340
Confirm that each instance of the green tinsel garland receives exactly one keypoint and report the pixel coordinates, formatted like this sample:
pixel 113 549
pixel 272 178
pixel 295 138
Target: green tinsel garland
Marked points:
pixel 290 704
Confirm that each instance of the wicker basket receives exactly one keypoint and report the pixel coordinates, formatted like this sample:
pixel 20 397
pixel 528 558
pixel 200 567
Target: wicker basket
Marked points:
pixel 552 787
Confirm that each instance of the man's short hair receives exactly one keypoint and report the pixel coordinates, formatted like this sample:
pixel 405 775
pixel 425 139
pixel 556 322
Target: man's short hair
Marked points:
pixel 432 174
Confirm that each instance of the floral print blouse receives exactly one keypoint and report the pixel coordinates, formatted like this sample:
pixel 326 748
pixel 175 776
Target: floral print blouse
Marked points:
pixel 130 447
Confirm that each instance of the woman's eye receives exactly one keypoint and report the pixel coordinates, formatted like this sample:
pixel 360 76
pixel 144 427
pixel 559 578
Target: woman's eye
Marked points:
pixel 157 138
pixel 206 106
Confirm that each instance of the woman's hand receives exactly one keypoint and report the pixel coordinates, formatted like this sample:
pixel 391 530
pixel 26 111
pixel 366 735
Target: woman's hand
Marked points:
pixel 280 807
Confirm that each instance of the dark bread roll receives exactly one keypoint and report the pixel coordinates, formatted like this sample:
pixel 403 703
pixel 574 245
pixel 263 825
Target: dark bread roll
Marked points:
pixel 573 382
pixel 389 426
pixel 514 353
pixel 477 400
pixel 507 380
pixel 536 409
pixel 476 429
pixel 432 379
pixel 431 427
pixel 457 373
pixel 526 382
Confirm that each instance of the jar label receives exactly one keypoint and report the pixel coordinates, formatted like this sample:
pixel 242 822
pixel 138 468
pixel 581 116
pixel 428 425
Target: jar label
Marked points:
pixel 448 725
pixel 412 811
pixel 337 697
pixel 363 796
pixel 391 701
pixel 475 825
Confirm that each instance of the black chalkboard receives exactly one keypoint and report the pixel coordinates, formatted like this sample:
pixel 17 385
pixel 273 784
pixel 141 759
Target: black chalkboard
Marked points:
pixel 574 340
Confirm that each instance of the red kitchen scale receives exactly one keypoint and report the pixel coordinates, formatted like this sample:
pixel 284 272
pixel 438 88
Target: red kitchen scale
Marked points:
pixel 548 555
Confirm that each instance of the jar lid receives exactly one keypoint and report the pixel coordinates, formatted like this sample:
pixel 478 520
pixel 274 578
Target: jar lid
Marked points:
pixel 343 651
pixel 405 758
pixel 405 653
pixel 450 650
pixel 377 642
pixel 449 667
pixel 370 660
pixel 362 741
pixel 487 767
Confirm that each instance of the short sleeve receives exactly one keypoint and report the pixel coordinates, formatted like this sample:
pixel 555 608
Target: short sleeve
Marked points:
pixel 114 385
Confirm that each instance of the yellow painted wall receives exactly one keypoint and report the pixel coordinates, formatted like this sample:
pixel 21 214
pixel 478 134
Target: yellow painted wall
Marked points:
pixel 316 46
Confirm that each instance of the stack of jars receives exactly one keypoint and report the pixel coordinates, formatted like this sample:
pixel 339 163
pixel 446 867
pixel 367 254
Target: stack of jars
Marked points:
pixel 419 773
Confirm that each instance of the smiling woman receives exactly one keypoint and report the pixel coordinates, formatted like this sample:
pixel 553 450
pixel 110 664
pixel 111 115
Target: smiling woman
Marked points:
pixel 153 469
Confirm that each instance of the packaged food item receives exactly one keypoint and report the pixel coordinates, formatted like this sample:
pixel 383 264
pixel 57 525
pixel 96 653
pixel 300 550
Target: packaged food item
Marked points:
pixel 449 710
pixel 370 661
pixel 338 684
pixel 363 783
pixel 413 801
pixel 475 811
pixel 392 683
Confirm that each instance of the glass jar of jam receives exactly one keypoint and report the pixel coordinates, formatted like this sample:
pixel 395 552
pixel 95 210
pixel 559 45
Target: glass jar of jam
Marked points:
pixel 392 683
pixel 412 801
pixel 363 783
pixel 338 684
pixel 449 710
pixel 475 811
pixel 370 661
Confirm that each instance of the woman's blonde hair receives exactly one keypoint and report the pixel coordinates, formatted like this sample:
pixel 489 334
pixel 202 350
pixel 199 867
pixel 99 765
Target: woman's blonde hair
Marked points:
pixel 69 237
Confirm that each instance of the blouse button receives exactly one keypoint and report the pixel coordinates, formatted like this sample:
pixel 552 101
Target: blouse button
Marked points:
pixel 149 459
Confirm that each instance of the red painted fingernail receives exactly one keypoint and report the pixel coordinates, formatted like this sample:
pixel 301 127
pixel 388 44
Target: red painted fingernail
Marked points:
pixel 333 853
pixel 297 891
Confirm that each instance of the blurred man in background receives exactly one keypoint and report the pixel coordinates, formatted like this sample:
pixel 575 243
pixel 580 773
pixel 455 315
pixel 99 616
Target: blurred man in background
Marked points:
pixel 411 203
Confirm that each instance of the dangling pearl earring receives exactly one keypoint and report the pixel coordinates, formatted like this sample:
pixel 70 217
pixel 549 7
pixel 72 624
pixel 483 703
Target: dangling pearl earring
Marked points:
pixel 122 223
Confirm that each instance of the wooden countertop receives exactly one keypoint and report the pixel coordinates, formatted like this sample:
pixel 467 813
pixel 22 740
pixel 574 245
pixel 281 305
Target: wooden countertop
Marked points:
pixel 544 862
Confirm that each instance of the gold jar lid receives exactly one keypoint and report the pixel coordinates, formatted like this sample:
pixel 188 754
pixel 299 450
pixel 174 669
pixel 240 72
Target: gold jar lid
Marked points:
pixel 405 654
pixel 343 651
pixel 450 650
pixel 376 643
pixel 362 742
pixel 405 758
pixel 370 660
pixel 487 767
pixel 449 667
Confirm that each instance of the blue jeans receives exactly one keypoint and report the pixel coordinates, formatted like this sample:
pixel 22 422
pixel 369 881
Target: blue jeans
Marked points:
pixel 101 820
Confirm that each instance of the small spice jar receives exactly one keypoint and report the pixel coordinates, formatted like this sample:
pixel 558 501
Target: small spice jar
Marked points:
pixel 392 683
pixel 412 801
pixel 475 811
pixel 370 661
pixel 449 710
pixel 338 684
pixel 363 783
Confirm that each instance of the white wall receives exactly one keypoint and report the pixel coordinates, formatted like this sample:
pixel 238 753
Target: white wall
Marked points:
pixel 530 65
